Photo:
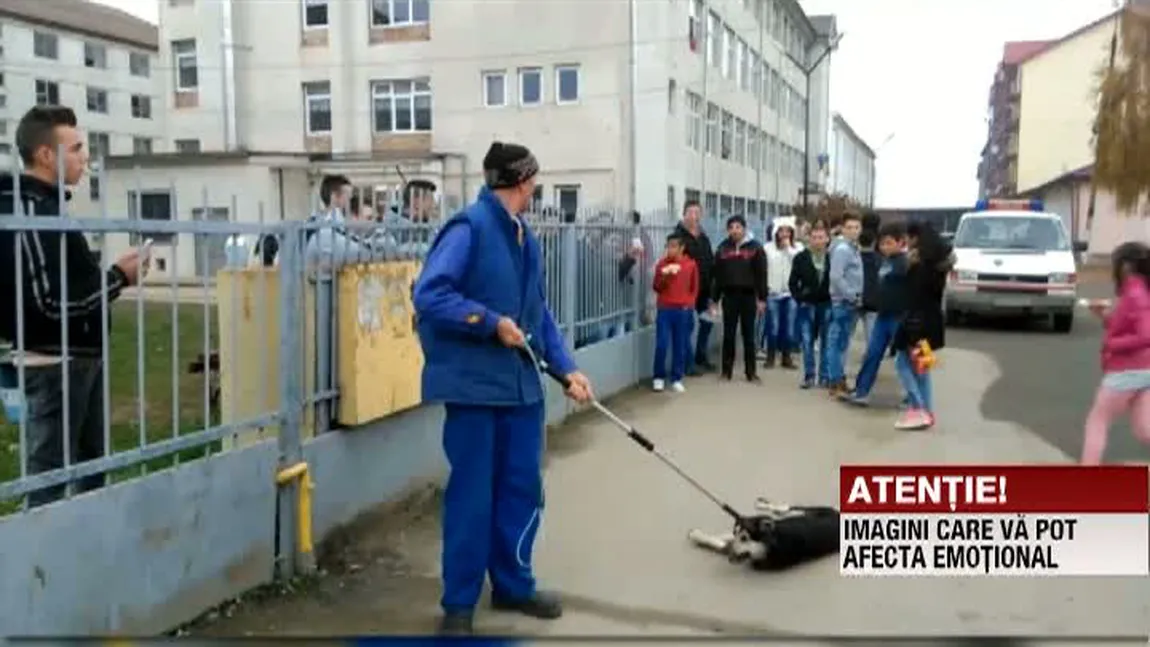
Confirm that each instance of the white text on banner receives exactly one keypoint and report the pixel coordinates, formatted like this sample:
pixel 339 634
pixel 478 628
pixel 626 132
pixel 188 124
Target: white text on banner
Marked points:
pixel 1027 545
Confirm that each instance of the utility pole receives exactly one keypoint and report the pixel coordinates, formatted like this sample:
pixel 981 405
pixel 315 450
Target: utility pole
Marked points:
pixel 807 72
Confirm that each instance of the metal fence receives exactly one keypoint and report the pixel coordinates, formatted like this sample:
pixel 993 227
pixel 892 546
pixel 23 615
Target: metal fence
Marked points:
pixel 105 379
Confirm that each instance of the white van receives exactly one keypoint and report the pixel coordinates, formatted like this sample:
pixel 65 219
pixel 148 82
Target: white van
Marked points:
pixel 1013 258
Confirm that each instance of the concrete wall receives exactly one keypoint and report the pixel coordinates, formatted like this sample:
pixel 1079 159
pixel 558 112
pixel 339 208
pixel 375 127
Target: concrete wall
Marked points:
pixel 1058 106
pixel 146 555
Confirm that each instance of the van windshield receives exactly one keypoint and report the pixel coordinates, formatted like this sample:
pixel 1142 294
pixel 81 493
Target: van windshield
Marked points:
pixel 1011 232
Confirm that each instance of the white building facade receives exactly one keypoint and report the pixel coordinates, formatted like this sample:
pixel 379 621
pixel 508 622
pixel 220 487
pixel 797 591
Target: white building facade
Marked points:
pixel 99 61
pixel 634 105
pixel 852 163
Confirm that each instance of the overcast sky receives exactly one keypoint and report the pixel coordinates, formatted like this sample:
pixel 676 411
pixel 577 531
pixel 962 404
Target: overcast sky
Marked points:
pixel 915 74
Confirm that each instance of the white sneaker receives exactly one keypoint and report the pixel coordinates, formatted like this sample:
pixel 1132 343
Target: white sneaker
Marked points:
pixel 678 387
pixel 658 385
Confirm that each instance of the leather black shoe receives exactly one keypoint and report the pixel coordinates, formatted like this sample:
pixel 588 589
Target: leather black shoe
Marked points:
pixel 545 606
pixel 456 624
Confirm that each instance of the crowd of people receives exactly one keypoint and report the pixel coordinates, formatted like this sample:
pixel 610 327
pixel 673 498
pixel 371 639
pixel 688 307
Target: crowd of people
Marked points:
pixel 806 289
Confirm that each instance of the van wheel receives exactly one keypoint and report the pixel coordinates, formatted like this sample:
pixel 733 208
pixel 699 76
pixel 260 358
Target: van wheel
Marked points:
pixel 953 317
pixel 1063 322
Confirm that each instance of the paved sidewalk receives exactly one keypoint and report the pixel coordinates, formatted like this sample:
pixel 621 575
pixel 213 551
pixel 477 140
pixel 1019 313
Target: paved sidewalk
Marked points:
pixel 614 536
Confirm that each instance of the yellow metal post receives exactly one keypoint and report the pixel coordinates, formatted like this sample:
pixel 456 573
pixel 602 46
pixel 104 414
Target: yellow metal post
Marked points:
pixel 299 474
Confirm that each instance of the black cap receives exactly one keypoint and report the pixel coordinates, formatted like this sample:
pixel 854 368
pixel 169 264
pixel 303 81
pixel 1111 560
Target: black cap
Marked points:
pixel 507 165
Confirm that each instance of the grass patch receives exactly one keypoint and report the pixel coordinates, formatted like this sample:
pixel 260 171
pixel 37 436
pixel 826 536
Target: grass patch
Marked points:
pixel 164 413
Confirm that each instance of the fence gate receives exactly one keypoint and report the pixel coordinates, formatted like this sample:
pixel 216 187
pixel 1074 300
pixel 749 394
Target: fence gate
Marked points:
pixel 211 250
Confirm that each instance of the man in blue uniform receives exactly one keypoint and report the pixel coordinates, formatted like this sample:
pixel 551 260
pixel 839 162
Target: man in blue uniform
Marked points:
pixel 479 300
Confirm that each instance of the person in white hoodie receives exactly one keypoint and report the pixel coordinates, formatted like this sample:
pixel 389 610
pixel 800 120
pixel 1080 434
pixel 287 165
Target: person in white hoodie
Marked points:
pixel 779 323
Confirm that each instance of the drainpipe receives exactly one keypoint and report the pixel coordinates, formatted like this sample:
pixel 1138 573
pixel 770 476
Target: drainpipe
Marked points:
pixel 633 26
pixel 705 29
pixel 227 75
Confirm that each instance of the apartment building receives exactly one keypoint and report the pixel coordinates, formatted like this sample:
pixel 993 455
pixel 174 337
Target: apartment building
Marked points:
pixel 100 61
pixel 852 163
pixel 631 105
pixel 998 168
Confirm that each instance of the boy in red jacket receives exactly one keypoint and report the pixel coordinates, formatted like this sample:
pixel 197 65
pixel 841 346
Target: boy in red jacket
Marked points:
pixel 676 289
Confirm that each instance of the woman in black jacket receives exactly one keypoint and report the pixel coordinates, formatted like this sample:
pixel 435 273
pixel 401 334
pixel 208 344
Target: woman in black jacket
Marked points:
pixel 929 260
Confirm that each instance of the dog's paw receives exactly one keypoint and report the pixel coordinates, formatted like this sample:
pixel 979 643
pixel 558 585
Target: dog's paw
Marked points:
pixel 710 542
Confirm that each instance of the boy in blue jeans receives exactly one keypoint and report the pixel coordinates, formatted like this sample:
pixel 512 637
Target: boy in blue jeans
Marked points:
pixel 891 308
pixel 676 287
pixel 846 287
pixel 808 284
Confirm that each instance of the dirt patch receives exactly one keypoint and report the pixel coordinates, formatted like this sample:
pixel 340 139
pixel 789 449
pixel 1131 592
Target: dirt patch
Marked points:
pixel 377 575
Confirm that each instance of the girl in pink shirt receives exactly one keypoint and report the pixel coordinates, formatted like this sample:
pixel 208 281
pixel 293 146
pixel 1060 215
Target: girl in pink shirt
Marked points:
pixel 1125 383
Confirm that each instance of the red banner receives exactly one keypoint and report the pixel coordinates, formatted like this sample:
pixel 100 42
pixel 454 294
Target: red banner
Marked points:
pixel 920 489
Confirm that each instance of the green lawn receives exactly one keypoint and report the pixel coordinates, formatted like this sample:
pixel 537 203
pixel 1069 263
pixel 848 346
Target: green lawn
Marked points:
pixel 158 336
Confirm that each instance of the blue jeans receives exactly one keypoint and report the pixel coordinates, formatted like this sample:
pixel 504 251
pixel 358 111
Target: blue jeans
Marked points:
pixel 779 325
pixel 701 342
pixel 811 320
pixel 919 393
pixel 882 334
pixel 672 332
pixel 840 326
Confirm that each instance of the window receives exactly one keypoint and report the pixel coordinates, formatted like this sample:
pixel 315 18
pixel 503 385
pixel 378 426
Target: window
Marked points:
pixel 712 129
pixel 756 65
pixel 47 93
pixel 731 48
pixel 715 40
pixel 398 13
pixel 314 14
pixel 765 90
pixel 530 86
pixel 99 145
pixel 671 199
pixel 402 106
pixel 98 100
pixel 141 106
pixel 95 56
pixel 187 146
pixel 567 199
pixel 672 96
pixel 187 70
pixel 748 62
pixel 317 107
pixel 770 154
pixel 45 45
pixel 150 205
pixel 566 84
pixel 711 205
pixel 754 160
pixel 773 89
pixel 5 148
pixel 3 127
pixel 139 64
pixel 141 146
pixel 728 134
pixel 695 24
pixel 694 121
pixel 1 79
pixel 537 198
pixel 494 89
pixel 740 146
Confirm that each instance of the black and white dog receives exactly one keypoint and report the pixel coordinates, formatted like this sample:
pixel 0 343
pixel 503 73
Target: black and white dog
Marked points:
pixel 778 537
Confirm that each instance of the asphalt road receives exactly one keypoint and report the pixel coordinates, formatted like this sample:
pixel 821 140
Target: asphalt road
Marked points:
pixel 1048 379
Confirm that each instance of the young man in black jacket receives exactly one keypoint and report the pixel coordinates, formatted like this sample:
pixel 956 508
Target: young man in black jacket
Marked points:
pixel 699 249
pixel 740 286
pixel 871 260
pixel 810 288
pixel 63 287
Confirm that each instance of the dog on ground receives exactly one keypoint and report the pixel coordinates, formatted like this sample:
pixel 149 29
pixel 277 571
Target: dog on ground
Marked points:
pixel 777 537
